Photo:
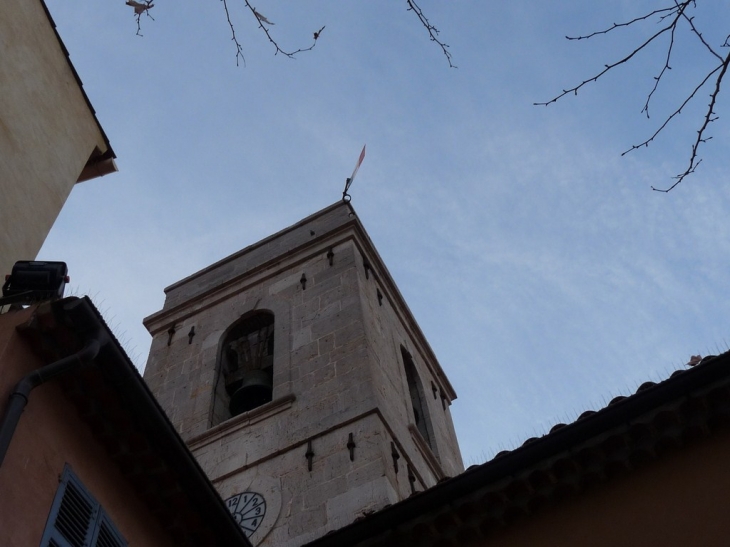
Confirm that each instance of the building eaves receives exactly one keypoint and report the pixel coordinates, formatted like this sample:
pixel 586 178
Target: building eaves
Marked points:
pixel 105 156
pixel 628 433
pixel 125 418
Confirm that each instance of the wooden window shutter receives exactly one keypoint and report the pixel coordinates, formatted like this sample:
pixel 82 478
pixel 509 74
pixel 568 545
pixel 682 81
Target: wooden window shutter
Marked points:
pixel 77 519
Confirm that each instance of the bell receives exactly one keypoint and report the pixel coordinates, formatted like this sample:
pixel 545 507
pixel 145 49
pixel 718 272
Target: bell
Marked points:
pixel 255 390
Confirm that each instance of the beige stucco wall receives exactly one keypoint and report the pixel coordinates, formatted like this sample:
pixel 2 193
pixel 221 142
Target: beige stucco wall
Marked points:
pixel 50 435
pixel 47 130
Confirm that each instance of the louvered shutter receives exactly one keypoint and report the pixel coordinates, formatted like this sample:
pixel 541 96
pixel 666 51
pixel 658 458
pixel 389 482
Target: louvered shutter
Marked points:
pixel 77 520
pixel 107 535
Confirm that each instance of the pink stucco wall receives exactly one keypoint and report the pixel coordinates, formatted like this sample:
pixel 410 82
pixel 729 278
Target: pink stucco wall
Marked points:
pixel 49 435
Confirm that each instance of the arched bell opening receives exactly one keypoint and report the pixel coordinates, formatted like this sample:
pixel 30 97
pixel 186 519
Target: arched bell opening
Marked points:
pixel 419 404
pixel 247 363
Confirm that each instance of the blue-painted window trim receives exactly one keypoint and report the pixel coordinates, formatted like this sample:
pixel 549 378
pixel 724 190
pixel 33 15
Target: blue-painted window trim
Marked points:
pixel 76 519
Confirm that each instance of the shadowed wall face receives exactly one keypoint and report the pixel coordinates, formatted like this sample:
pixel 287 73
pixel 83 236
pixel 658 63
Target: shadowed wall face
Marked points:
pixel 49 437
pixel 676 501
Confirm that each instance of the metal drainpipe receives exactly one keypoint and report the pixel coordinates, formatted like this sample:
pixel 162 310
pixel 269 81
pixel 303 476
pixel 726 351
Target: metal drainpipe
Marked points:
pixel 19 397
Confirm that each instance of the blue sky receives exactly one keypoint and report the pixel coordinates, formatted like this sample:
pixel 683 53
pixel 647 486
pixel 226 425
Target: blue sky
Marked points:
pixel 545 273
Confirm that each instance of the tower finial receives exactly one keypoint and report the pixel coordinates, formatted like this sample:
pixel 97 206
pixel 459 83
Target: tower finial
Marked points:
pixel 345 196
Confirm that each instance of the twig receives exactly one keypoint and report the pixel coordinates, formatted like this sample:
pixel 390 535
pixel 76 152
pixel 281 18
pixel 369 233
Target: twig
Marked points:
pixel 433 32
pixel 625 24
pixel 710 117
pixel 670 16
pixel 139 9
pixel 574 90
pixel 239 48
pixel 145 5
pixel 658 79
pixel 290 54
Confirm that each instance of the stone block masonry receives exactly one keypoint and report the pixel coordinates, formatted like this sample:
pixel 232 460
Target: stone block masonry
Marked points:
pixel 340 331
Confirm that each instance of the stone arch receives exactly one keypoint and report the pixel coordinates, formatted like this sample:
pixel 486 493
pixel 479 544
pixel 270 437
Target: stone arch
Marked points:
pixel 419 402
pixel 245 366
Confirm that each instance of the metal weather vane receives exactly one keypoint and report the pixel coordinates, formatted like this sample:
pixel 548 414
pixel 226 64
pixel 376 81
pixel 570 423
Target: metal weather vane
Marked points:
pixel 346 198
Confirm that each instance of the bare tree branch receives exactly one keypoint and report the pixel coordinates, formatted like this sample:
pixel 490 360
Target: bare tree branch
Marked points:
pixel 433 32
pixel 690 21
pixel 666 67
pixel 670 17
pixel 263 23
pixel 710 117
pixel 574 90
pixel 139 9
pixel 239 48
pixel 625 24
pixel 669 118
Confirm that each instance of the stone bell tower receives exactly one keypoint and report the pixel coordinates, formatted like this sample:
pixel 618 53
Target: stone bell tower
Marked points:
pixel 300 380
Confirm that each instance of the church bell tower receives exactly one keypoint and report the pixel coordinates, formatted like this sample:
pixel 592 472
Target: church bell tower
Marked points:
pixel 301 382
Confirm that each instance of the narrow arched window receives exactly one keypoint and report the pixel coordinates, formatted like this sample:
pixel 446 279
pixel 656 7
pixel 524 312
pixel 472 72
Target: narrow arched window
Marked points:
pixel 246 368
pixel 418 399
